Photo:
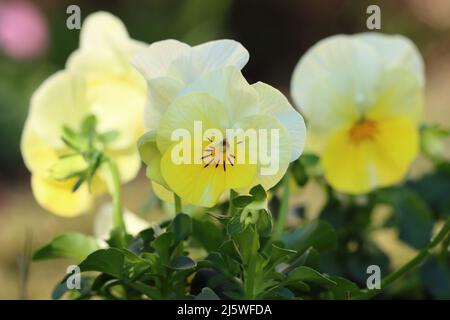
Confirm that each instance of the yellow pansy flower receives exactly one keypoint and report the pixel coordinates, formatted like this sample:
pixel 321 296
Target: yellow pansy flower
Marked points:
pixel 98 80
pixel 222 99
pixel 362 96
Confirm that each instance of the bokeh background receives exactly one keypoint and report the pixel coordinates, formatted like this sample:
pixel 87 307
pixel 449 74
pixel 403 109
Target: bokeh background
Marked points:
pixel 34 43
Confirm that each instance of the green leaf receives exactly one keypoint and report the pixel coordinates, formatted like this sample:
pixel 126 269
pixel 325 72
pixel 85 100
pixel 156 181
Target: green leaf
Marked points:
pixel 182 263
pixel 242 201
pixel 162 244
pixel 181 227
pixel 88 125
pixel 69 245
pixel 342 289
pixel 229 249
pixel 258 193
pixel 317 233
pixel 414 218
pixel 207 294
pixel 109 261
pixel 207 233
pixel 299 173
pixel 278 254
pixel 308 275
pixel 234 226
pixel 109 136
pixel 264 223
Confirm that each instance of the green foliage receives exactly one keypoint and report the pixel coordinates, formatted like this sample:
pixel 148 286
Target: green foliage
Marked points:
pixel 69 245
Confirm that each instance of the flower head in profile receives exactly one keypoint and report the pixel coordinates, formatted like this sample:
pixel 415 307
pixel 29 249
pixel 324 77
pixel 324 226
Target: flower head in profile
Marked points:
pixel 99 81
pixel 362 98
pixel 222 133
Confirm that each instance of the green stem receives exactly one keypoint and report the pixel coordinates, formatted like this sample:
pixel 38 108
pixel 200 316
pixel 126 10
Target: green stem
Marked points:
pixel 233 194
pixel 114 187
pixel 249 279
pixel 178 206
pixel 414 263
pixel 284 207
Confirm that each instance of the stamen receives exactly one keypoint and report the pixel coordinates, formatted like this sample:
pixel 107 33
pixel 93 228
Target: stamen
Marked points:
pixel 208 163
pixel 217 164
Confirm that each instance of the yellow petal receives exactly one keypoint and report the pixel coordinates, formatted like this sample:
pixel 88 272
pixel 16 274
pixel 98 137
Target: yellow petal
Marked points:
pixel 151 156
pixel 382 161
pixel 202 185
pixel 38 157
pixel 128 162
pixel 57 196
pixel 59 101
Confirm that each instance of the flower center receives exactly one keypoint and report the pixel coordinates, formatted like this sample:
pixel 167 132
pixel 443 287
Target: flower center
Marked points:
pixel 363 130
pixel 218 154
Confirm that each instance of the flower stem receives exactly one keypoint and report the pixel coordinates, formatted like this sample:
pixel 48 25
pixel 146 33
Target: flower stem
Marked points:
pixel 178 206
pixel 284 207
pixel 233 194
pixel 114 187
pixel 249 278
pixel 414 263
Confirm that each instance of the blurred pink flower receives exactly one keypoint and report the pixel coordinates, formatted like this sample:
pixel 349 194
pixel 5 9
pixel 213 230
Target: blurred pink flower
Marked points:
pixel 23 30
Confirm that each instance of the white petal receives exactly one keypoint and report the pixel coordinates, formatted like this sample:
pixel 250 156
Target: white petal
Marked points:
pixel 229 86
pixel 154 61
pixel 101 29
pixel 346 64
pixel 396 51
pixel 207 57
pixel 273 102
pixel 103 222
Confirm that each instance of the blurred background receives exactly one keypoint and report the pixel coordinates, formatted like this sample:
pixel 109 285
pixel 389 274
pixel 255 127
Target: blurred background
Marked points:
pixel 34 43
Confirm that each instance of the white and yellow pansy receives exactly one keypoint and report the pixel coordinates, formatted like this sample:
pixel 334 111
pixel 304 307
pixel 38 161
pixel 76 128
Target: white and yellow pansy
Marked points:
pixel 362 96
pixel 222 99
pixel 98 80
pixel 170 65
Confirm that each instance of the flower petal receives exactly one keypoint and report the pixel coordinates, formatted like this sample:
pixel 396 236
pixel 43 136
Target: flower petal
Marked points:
pixel 155 60
pixel 202 186
pixel 273 102
pixel 59 101
pixel 57 196
pixel 208 57
pixel 187 110
pixel 229 86
pixel 151 156
pixel 274 149
pixel 339 66
pixel 396 51
pixel 38 157
pixel 359 168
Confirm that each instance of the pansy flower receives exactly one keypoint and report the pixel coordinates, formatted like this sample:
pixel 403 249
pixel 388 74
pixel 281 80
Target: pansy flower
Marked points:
pixel 362 97
pixel 99 81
